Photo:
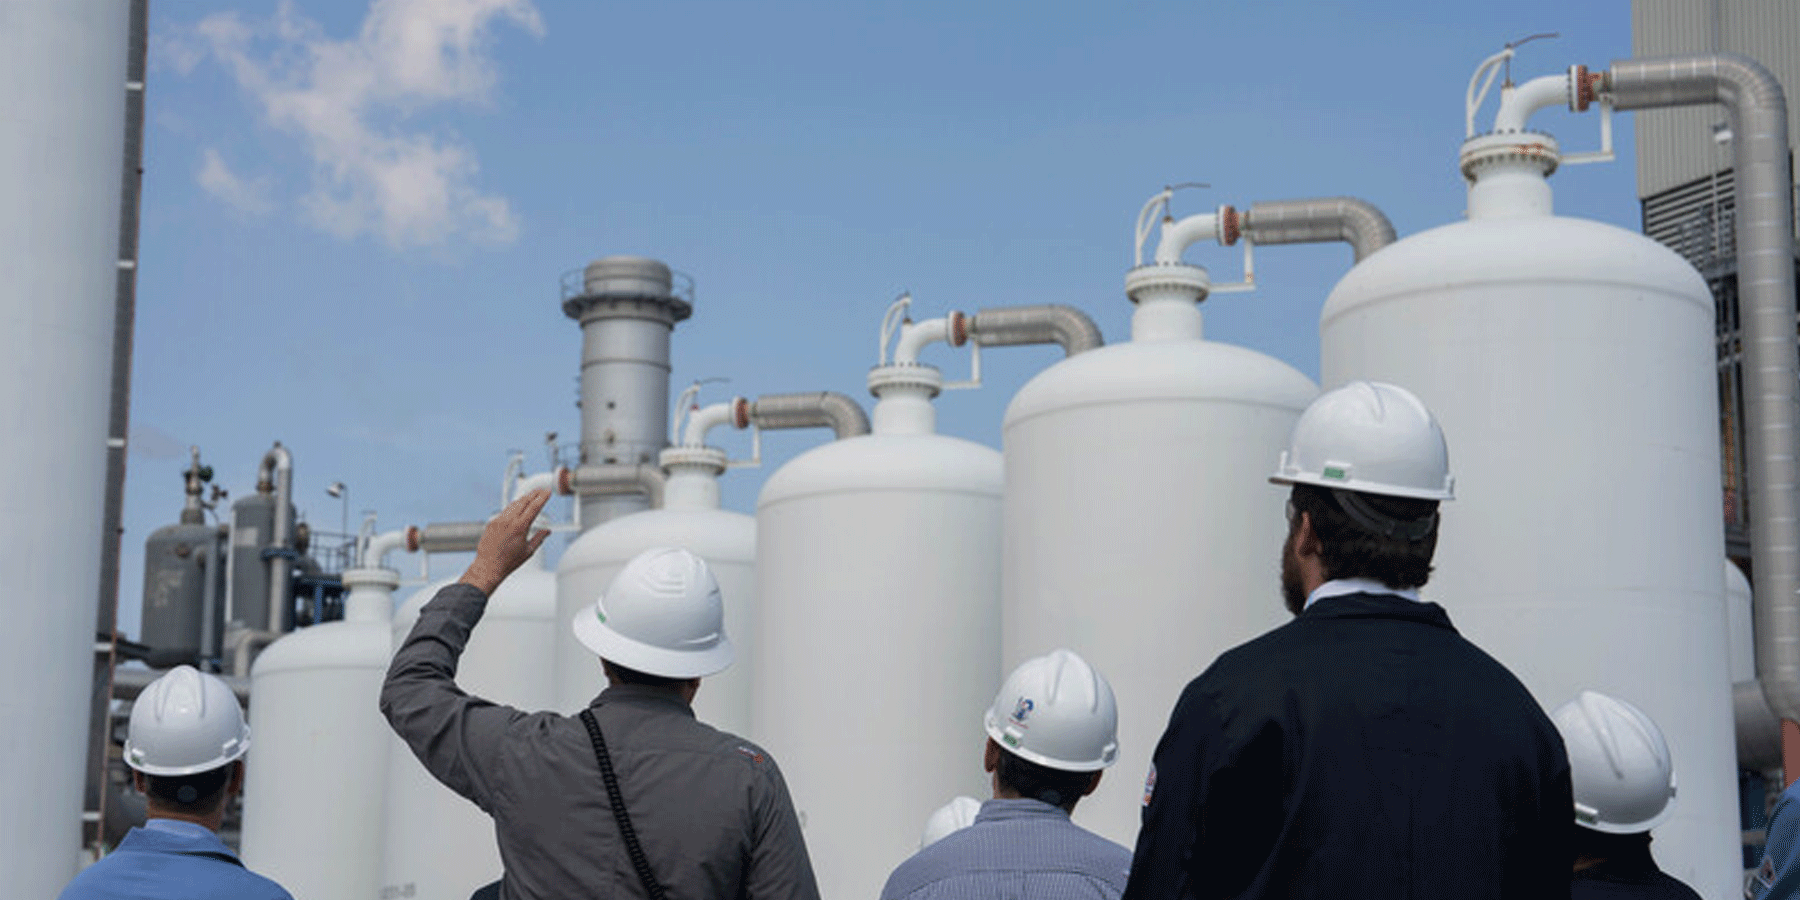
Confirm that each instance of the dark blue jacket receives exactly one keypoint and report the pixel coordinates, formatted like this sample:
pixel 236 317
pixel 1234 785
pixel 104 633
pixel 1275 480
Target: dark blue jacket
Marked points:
pixel 1364 749
pixel 171 861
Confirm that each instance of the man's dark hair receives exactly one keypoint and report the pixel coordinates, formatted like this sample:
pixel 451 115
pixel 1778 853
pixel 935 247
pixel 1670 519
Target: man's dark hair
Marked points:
pixel 644 679
pixel 198 794
pixel 1631 848
pixel 1352 550
pixel 1028 779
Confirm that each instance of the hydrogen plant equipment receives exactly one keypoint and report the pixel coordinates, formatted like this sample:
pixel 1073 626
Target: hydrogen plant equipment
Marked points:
pixel 1571 364
pixel 877 633
pixel 183 614
pixel 627 307
pixel 688 516
pixel 1139 525
pixel 313 820
pixel 440 846
pixel 62 143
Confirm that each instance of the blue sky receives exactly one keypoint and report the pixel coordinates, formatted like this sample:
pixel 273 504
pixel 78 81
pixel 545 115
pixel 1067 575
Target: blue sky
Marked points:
pixel 355 215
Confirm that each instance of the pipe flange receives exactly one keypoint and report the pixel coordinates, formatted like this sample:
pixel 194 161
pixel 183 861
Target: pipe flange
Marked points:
pixel 913 375
pixel 413 537
pixel 668 310
pixel 740 413
pixel 1159 277
pixel 957 334
pixel 387 579
pixel 1530 147
pixel 709 458
pixel 1231 225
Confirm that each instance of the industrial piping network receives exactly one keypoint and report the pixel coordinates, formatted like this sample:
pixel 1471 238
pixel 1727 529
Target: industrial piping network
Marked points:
pixel 275 472
pixel 1758 110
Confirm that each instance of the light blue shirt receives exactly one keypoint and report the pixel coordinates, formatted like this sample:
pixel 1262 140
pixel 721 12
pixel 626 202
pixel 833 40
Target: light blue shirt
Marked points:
pixel 1015 849
pixel 1339 587
pixel 1778 878
pixel 169 859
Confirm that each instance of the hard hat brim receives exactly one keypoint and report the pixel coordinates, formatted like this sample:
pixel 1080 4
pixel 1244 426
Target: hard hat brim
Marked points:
pixel 992 725
pixel 235 753
pixel 1363 487
pixel 608 644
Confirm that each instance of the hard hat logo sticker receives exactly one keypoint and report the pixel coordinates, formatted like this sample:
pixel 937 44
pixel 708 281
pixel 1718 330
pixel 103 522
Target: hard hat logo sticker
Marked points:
pixel 1022 710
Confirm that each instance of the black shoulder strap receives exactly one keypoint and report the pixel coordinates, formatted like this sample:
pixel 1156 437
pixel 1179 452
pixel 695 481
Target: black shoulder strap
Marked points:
pixel 632 846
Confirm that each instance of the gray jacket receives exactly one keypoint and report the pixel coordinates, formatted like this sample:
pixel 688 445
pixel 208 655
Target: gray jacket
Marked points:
pixel 711 810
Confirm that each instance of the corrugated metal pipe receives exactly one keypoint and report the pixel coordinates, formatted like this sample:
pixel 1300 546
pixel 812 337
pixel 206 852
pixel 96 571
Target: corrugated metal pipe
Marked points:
pixel 1348 219
pixel 614 478
pixel 816 409
pixel 1765 259
pixel 1009 326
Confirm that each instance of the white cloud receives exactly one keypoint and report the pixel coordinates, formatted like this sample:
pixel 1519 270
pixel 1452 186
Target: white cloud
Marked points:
pixel 348 101
pixel 248 197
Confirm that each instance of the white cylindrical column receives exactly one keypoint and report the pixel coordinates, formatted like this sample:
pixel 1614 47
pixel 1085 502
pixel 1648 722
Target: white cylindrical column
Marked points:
pixel 313 792
pixel 62 140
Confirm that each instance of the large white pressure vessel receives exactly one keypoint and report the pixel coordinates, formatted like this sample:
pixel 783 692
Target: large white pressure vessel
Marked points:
pixel 1572 367
pixel 313 789
pixel 877 632
pixel 690 517
pixel 1140 527
pixel 440 846
pixel 62 144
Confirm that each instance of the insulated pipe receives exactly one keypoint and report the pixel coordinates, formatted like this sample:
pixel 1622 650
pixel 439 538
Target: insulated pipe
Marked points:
pixel 444 537
pixel 277 468
pixel 1765 257
pixel 613 480
pixel 822 409
pixel 1349 219
pixel 1066 326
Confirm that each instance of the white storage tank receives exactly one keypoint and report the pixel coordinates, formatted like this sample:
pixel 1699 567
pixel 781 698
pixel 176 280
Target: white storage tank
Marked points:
pixel 1141 530
pixel 877 631
pixel 440 846
pixel 313 791
pixel 1572 366
pixel 689 517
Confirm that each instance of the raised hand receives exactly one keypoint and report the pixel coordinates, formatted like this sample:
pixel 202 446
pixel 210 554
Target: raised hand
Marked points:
pixel 507 542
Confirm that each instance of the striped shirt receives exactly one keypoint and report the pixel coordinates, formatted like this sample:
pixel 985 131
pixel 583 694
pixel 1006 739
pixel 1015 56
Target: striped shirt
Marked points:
pixel 1015 849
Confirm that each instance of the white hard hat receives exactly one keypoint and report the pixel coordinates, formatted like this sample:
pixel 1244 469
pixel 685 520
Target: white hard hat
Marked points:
pixel 1058 712
pixel 951 817
pixel 1623 774
pixel 184 723
pixel 661 615
pixel 1369 437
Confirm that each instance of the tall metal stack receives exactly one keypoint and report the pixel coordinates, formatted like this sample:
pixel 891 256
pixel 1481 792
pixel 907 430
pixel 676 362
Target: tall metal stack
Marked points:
pixel 627 307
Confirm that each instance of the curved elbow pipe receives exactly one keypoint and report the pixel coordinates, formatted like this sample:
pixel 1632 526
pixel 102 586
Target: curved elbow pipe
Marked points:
pixel 374 554
pixel 1178 236
pixel 542 481
pixel 820 409
pixel 1349 219
pixel 1047 323
pixel 1764 186
pixel 705 419
pixel 915 337
pixel 1518 105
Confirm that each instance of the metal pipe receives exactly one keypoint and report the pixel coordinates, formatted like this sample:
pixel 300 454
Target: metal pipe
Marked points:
pixel 1045 323
pixel 277 467
pixel 821 409
pixel 210 560
pixel 1517 104
pixel 444 537
pixel 1765 257
pixel 1349 219
pixel 706 419
pixel 374 553
pixel 1178 236
pixel 614 480
pixel 248 642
